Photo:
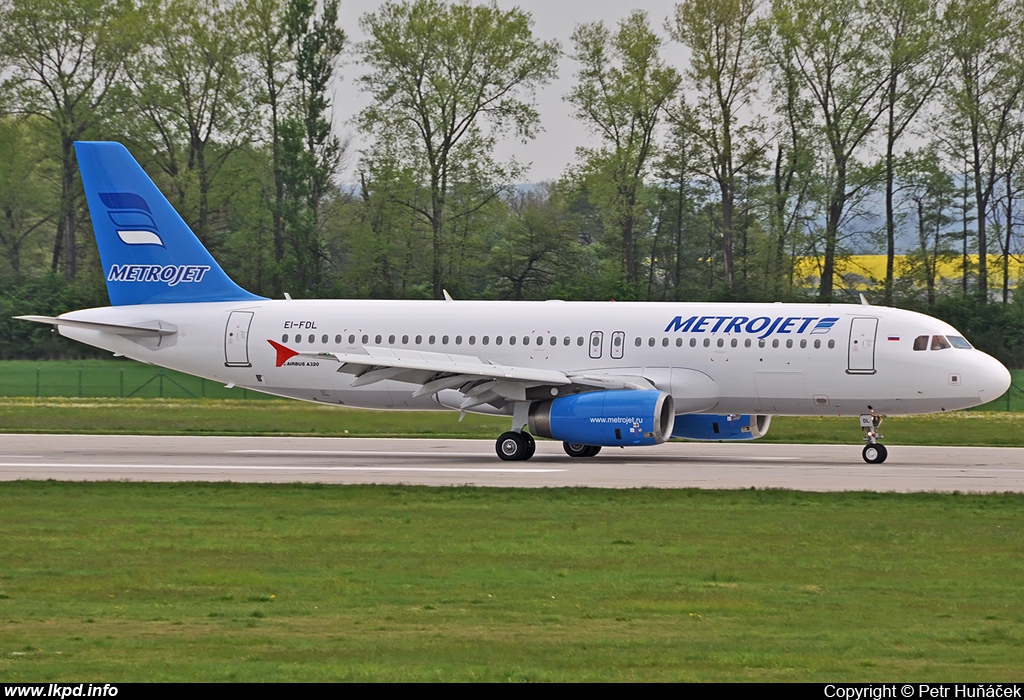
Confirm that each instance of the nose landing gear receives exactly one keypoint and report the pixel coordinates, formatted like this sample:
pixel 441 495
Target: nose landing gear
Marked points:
pixel 874 452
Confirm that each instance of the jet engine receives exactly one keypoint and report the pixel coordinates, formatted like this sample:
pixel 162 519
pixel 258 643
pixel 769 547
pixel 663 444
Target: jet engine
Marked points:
pixel 707 426
pixel 609 418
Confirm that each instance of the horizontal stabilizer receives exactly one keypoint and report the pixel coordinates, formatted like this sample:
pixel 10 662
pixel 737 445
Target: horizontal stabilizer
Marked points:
pixel 145 328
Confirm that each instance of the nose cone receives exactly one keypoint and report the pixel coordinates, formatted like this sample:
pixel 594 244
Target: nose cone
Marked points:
pixel 993 379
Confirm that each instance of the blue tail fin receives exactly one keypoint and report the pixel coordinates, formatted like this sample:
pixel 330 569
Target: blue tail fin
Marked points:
pixel 149 254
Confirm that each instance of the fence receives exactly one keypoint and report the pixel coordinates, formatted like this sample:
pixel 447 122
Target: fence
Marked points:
pixel 109 379
pixel 113 379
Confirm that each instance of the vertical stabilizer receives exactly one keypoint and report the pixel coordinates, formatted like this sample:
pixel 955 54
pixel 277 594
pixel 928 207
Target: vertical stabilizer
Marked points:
pixel 149 254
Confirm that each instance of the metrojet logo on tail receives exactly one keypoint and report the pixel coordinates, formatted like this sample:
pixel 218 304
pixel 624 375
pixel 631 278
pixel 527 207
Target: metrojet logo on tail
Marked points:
pixel 132 218
pixel 765 325
pixel 171 275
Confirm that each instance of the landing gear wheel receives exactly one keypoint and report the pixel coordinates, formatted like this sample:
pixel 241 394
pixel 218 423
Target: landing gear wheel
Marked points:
pixel 578 449
pixel 531 445
pixel 875 454
pixel 515 447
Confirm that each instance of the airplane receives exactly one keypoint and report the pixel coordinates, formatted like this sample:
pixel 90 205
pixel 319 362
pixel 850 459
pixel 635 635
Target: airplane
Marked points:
pixel 590 374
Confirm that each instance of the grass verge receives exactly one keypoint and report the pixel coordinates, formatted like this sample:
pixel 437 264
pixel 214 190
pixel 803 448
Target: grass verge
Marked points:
pixel 282 417
pixel 225 582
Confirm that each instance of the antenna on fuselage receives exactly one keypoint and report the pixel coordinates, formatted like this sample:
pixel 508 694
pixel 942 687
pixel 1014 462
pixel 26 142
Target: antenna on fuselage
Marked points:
pixel 863 300
pixel 447 296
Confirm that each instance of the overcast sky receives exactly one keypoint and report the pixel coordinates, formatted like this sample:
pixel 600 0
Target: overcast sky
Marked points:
pixel 555 146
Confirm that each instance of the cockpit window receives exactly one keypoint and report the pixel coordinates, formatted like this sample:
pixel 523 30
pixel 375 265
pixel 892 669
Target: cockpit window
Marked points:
pixel 939 342
pixel 921 342
pixel 959 343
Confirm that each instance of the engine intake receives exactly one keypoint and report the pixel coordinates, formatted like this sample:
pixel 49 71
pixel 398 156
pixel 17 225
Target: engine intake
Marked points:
pixel 609 418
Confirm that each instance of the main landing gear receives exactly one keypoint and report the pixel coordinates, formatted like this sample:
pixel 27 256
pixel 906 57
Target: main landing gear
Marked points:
pixel 578 449
pixel 515 447
pixel 874 452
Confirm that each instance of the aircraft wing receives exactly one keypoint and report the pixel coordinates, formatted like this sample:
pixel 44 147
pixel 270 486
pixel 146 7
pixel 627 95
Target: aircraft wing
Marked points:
pixel 479 381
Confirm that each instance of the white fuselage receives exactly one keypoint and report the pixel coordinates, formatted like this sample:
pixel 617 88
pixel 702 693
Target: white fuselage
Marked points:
pixel 783 359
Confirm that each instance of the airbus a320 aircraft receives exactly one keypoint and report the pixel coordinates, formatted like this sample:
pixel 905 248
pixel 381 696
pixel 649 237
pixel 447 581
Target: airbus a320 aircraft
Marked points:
pixel 589 374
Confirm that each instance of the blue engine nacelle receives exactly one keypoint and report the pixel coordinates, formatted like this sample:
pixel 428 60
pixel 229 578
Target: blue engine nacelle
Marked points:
pixel 609 418
pixel 705 426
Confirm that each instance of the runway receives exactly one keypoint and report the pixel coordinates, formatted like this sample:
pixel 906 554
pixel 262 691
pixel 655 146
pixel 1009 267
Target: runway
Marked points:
pixel 473 462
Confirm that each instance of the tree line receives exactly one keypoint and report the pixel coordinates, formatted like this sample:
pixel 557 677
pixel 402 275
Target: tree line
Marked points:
pixel 796 129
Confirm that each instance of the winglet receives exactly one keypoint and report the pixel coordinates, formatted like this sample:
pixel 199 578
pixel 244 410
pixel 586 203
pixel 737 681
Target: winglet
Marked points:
pixel 283 354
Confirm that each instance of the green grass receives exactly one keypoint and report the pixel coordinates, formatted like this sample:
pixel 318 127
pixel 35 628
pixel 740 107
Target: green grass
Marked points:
pixel 222 582
pixel 282 417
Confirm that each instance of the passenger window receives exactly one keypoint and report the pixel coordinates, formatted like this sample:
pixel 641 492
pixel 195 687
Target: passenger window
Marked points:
pixel 817 344
pixel 789 342
pixel 431 339
pixel 526 340
pixel 617 340
pixel 458 340
pixel 664 342
pixel 760 342
pixel 746 343
pixel 831 344
pixel 939 342
pixel 921 343
pixel 803 343
pixel 391 340
pixel 775 343
pixel 734 342
pixel 472 340
pixel 405 340
pixel 566 340
pixel 298 338
pixel 639 341
pixel 693 342
pixel 553 340
pixel 721 342
pixel 707 342
pixel 352 340
pixel 679 342
pixel 419 339
pixel 312 338
pixel 497 340
pixel 540 340
pixel 284 338
pixel 650 341
pixel 485 340
pixel 324 339
pixel 337 340
pixel 444 340
pixel 366 339
pixel 579 341
pixel 377 340
pixel 511 340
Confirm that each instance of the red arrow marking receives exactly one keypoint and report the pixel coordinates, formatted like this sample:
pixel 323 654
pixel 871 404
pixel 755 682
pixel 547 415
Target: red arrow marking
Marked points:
pixel 283 354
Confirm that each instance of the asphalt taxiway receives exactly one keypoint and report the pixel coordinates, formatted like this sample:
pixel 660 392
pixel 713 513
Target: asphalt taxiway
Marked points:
pixel 473 462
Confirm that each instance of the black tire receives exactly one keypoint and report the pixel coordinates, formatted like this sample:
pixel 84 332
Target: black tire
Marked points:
pixel 875 454
pixel 531 445
pixel 512 447
pixel 578 449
